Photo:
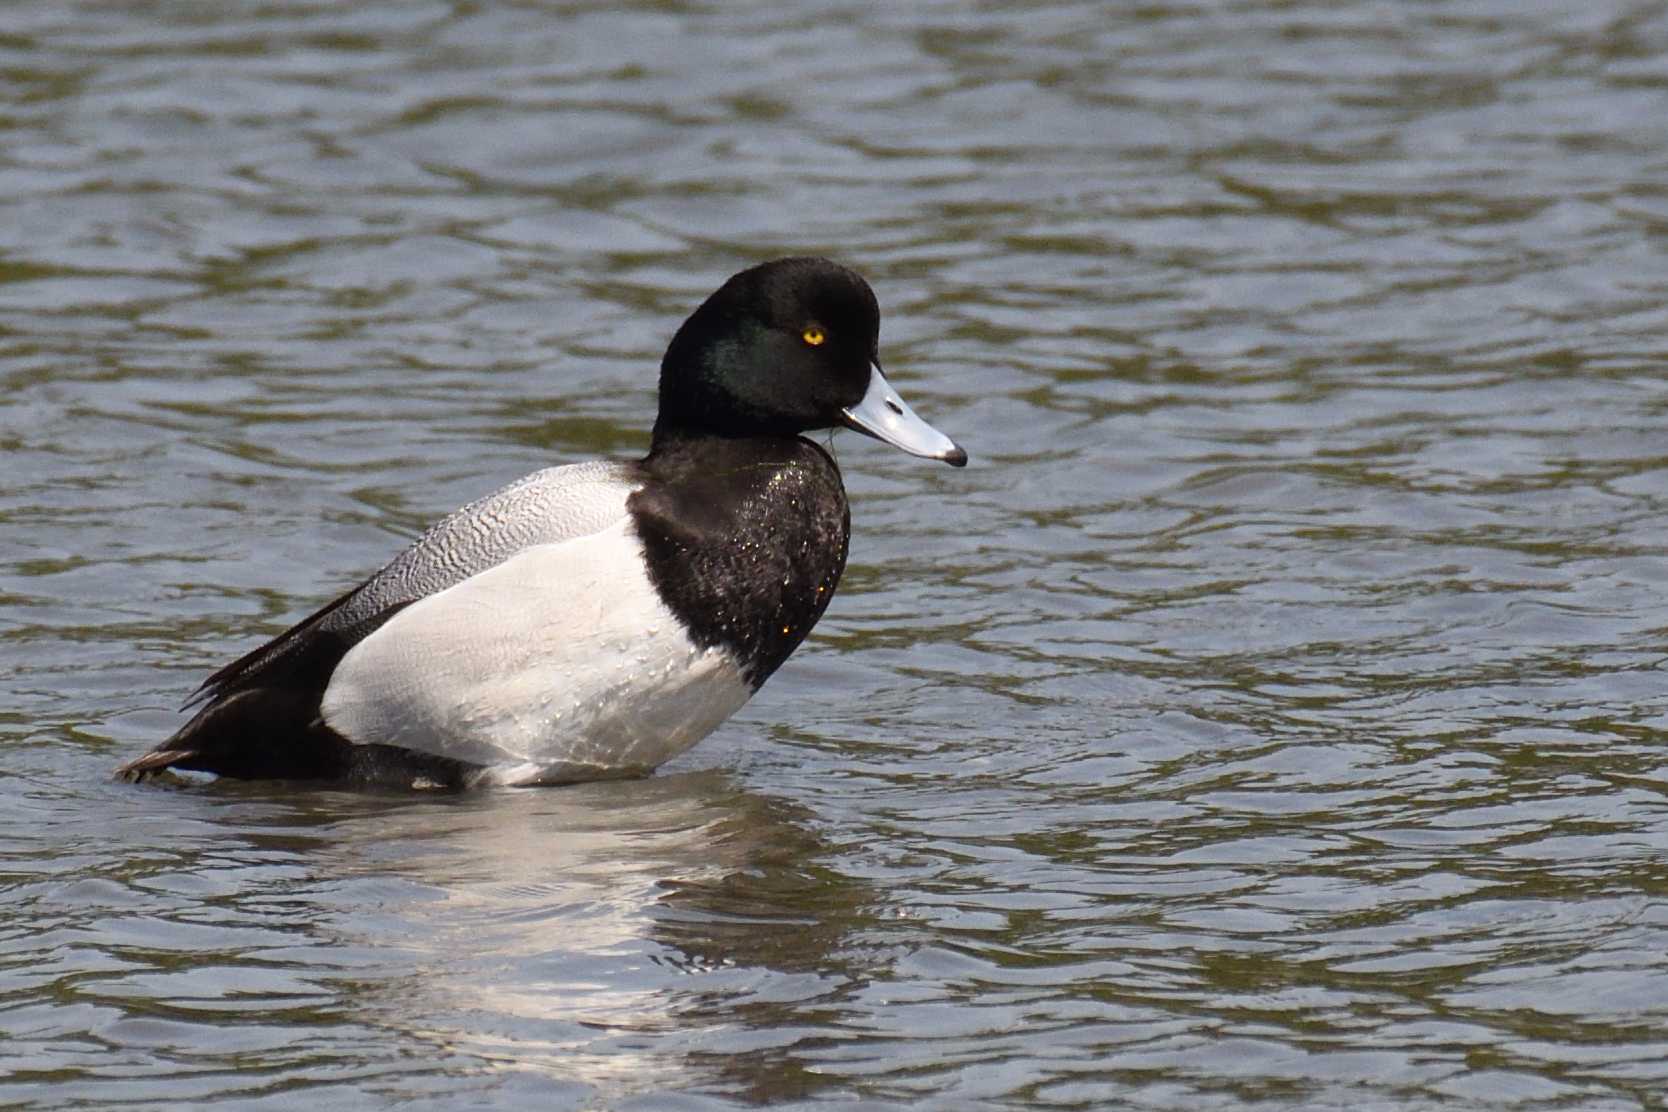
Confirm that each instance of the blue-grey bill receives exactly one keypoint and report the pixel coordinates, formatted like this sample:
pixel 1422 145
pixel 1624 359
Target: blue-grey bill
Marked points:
pixel 885 416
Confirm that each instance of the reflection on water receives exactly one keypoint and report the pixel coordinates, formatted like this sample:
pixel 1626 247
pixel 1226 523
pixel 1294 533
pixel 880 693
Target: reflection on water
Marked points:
pixel 561 928
pixel 542 933
pixel 1271 714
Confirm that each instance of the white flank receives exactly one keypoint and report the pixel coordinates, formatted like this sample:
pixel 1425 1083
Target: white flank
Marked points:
pixel 562 663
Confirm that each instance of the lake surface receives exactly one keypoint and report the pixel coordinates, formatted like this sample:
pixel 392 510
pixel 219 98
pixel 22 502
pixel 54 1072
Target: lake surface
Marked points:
pixel 1272 715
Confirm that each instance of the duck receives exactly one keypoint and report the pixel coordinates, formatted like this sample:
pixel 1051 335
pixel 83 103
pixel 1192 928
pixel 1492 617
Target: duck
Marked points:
pixel 592 620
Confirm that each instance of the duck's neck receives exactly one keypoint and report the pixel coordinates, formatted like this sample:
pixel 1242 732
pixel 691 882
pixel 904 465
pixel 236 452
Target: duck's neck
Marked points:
pixel 675 440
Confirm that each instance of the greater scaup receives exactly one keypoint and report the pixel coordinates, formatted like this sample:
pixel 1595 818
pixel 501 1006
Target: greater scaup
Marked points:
pixel 597 619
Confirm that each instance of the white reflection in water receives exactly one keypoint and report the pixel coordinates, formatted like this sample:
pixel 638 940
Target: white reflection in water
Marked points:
pixel 567 930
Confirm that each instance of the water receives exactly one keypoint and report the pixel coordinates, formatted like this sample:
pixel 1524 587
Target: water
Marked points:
pixel 1271 716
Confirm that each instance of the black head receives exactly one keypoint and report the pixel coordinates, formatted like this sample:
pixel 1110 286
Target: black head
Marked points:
pixel 781 348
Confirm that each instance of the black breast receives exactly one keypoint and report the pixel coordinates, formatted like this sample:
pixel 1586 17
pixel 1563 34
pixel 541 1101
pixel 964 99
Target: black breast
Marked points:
pixel 745 540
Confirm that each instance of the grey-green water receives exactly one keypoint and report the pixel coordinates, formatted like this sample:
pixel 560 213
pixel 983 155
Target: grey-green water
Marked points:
pixel 1272 716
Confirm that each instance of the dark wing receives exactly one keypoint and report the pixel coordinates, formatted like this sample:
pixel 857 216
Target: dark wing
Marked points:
pixel 300 640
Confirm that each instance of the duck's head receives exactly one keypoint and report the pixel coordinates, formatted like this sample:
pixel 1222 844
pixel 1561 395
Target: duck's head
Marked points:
pixel 783 348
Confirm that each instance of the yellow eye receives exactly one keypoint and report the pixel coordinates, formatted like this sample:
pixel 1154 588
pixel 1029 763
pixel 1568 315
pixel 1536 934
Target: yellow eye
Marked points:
pixel 813 335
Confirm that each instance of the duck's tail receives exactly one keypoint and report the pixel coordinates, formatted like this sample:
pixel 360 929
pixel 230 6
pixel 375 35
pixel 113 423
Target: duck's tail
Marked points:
pixel 273 734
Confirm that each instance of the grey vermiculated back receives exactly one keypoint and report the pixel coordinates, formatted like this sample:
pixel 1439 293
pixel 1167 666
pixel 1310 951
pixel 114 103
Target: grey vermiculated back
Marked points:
pixel 546 507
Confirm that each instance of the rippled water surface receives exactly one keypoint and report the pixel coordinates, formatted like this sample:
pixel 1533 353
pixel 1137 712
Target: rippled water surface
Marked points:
pixel 1271 716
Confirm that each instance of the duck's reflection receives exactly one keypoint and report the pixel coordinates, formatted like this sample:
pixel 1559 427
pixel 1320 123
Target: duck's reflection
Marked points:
pixel 610 934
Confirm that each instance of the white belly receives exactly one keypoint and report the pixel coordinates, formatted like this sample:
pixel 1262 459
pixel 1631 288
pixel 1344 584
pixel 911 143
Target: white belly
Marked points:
pixel 562 663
